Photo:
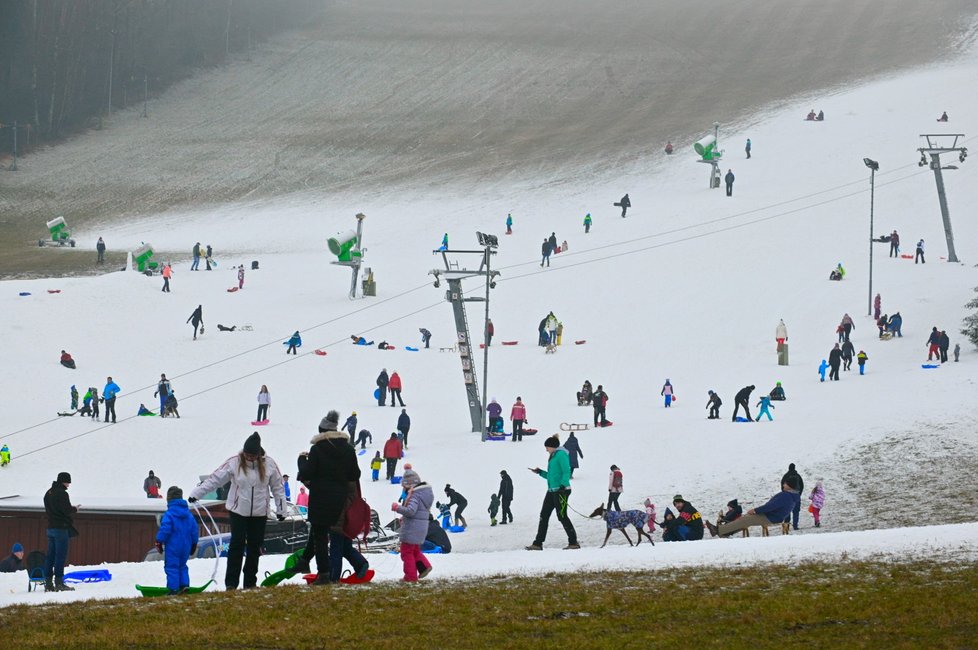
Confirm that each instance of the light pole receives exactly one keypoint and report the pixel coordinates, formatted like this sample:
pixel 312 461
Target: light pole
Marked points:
pixel 873 168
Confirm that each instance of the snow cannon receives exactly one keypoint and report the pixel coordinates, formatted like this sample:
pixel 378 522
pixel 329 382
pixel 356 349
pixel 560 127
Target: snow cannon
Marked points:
pixel 143 257
pixel 60 234
pixel 706 148
pixel 344 246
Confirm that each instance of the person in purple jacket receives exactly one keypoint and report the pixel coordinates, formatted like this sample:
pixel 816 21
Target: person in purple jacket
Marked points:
pixel 414 524
pixel 495 415
pixel 776 510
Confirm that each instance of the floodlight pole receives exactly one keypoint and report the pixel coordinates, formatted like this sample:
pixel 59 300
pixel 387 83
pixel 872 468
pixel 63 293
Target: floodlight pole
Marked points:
pixel 935 152
pixel 873 166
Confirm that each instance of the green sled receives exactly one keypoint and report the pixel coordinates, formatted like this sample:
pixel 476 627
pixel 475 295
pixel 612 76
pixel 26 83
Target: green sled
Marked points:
pixel 153 592
pixel 272 579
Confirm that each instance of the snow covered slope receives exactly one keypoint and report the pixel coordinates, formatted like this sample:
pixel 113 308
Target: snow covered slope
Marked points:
pixel 689 287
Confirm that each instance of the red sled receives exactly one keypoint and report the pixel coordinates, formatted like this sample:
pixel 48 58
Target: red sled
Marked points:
pixel 321 353
pixel 232 289
pixel 906 257
pixel 510 342
pixel 351 579
pixel 54 290
pixel 581 342
pixel 607 423
pixel 259 423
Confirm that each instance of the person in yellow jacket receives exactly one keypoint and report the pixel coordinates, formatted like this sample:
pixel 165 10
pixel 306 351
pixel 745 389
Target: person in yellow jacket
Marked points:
pixel 4 456
pixel 375 464
pixel 560 332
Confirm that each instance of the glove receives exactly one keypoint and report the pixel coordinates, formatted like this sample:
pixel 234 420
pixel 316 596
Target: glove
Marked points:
pixel 192 500
pixel 193 550
pixel 280 517
pixel 159 547
pixel 393 507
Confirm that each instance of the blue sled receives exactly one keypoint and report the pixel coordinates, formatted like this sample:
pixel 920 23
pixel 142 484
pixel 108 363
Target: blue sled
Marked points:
pixel 929 365
pixel 740 419
pixel 410 349
pixel 95 575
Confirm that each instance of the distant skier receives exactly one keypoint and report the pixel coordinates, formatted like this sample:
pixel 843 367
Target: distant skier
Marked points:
pixel 729 180
pixel 509 224
pixel 919 255
pixel 894 244
pixel 835 360
pixel 546 250
pixel 742 399
pixel 625 203
pixel 822 368
pixel 197 320
pixel 587 223
pixel 425 337
pixel 714 404
pixel 382 381
pixel 747 148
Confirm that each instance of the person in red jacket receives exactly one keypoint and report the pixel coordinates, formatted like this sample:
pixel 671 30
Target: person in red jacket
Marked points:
pixel 394 385
pixel 518 416
pixel 392 453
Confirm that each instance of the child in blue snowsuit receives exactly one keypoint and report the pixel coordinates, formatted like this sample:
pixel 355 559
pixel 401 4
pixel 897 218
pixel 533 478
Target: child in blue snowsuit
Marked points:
pixel 765 404
pixel 822 368
pixel 294 341
pixel 177 540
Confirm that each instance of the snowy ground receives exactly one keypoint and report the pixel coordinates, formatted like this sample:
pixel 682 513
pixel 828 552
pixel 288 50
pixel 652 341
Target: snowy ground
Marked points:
pixel 690 287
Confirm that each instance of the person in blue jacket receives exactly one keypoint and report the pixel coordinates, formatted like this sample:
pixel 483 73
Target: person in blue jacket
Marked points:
pixel 350 426
pixel 822 368
pixel 509 224
pixel 403 426
pixel 294 342
pixel 177 540
pixel 765 405
pixel 776 510
pixel 109 394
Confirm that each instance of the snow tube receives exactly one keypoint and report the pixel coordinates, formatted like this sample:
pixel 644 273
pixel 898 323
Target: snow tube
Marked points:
pixel 410 349
pixel 376 393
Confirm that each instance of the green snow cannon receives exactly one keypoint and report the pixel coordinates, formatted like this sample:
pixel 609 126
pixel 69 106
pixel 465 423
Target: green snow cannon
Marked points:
pixel 706 148
pixel 344 246
pixel 60 234
pixel 143 257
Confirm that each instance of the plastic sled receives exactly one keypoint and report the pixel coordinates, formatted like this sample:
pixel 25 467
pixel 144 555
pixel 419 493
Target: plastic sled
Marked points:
pixel 310 578
pixel 906 257
pixel 95 575
pixel 410 349
pixel 496 437
pixel 153 592
pixel 430 549
pixel 24 293
pixel 396 480
pixel 376 393
pixel 259 423
pixel 361 452
pixel 352 579
pixel 929 365
pixel 273 579
pixel 510 342
pixel 742 419
pixel 321 353
pixel 581 342
pixel 456 529
pixel 54 290
pixel 607 423
pixel 214 263
pixel 232 290
pixel 530 432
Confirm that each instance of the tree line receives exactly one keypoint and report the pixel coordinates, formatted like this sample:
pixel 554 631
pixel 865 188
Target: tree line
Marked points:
pixel 66 63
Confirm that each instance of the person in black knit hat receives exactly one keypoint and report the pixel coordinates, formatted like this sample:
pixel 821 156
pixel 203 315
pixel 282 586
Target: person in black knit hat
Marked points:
pixel 60 530
pixel 557 497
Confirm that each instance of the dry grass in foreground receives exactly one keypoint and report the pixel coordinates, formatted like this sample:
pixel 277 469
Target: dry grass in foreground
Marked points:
pixel 850 604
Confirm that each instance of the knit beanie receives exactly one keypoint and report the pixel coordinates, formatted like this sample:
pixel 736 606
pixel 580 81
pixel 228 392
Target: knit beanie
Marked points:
pixel 678 497
pixel 733 504
pixel 17 548
pixel 173 492
pixel 253 444
pixel 330 422
pixel 410 478
pixel 64 477
pixel 552 442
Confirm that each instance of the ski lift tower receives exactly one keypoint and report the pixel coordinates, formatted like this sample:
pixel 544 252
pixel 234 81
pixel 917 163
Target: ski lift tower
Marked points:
pixel 348 249
pixel 934 150
pixel 709 151
pixel 454 274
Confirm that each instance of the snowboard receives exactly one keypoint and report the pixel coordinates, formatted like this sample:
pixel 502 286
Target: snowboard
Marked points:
pixel 259 423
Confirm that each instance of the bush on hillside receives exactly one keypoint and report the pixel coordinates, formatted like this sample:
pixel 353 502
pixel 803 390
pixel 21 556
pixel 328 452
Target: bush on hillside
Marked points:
pixel 971 322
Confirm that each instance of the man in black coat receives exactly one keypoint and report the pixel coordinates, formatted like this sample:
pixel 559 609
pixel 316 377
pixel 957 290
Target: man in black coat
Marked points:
pixel 61 529
pixel 329 469
pixel 403 426
pixel 382 381
pixel 599 401
pixel 835 360
pixel 691 528
pixel 848 352
pixel 795 482
pixel 729 180
pixel 506 495
pixel 943 343
pixel 742 399
pixel 545 250
pixel 553 242
pixel 625 203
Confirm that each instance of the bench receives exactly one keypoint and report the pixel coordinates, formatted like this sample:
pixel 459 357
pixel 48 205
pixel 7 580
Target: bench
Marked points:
pixel 785 528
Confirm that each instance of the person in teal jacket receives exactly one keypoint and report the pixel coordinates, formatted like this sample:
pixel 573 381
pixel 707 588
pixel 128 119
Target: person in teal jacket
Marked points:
pixel 509 224
pixel 558 475
pixel 109 393
pixel 587 223
pixel 765 405
pixel 294 342
pixel 177 540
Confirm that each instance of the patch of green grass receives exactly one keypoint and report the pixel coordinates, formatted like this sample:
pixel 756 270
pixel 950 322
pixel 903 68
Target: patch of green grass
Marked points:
pixel 850 604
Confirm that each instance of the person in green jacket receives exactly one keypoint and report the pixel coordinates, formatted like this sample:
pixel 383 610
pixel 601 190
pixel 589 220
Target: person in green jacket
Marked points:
pixel 558 474
pixel 587 223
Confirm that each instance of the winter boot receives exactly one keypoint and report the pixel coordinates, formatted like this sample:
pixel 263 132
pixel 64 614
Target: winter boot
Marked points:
pixel 49 584
pixel 572 547
pixel 712 528
pixel 494 522
pixel 423 572
pixel 60 585
pixel 534 547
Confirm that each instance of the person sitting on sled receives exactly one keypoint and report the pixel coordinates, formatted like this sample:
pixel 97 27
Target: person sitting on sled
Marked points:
pixel 177 540
pixel 67 361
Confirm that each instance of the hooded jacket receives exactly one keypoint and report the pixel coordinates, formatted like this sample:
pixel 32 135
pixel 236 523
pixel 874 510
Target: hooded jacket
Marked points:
pixel 178 531
pixel 558 471
pixel 415 510
pixel 505 488
pixel 382 379
pixel 330 471
pixel 394 383
pixel 249 494
pixel 404 423
pixel 573 448
pixel 780 506
pixel 393 448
